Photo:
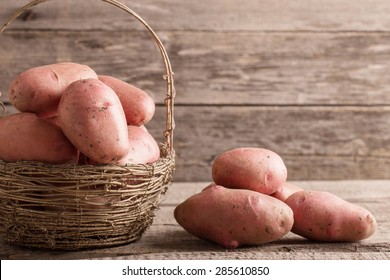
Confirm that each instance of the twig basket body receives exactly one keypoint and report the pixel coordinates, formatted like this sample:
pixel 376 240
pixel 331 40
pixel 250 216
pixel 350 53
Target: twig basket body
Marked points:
pixel 71 206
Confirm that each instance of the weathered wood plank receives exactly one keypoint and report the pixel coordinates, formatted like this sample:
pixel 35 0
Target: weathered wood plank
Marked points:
pixel 316 143
pixel 221 68
pixel 167 240
pixel 320 143
pixel 137 60
pixel 300 167
pixel 174 243
pixel 219 15
pixel 364 192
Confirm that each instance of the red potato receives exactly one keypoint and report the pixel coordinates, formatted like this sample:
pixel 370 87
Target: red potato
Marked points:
pixel 92 117
pixel 53 120
pixel 254 169
pixel 234 217
pixel 39 89
pixel 138 105
pixel 285 191
pixel 25 136
pixel 209 186
pixel 323 216
pixel 143 148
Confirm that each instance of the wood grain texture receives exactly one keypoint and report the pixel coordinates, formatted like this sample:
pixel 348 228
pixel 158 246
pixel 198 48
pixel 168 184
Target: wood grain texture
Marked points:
pixel 167 240
pixel 221 68
pixel 217 15
pixel 316 143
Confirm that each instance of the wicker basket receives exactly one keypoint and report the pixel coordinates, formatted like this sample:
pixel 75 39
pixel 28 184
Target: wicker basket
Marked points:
pixel 72 206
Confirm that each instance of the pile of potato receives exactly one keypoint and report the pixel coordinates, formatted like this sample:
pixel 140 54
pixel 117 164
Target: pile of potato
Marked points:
pixel 70 114
pixel 250 202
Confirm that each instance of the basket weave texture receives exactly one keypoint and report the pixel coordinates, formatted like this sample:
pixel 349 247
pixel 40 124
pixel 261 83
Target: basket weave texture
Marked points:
pixel 71 206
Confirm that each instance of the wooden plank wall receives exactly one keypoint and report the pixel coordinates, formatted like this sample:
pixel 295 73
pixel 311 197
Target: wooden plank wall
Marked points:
pixel 307 79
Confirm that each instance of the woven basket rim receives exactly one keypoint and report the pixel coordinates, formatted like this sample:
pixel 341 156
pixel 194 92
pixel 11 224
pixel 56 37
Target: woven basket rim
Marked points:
pixel 76 167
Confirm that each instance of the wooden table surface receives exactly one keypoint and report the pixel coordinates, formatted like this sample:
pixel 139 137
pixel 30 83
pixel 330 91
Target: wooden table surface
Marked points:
pixel 165 239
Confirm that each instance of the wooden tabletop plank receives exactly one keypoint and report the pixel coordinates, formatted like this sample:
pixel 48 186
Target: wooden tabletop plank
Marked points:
pixel 219 15
pixel 165 239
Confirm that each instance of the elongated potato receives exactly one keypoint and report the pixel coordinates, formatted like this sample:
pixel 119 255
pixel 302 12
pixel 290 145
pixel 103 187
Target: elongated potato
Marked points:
pixel 143 147
pixel 39 89
pixel 209 186
pixel 92 117
pixel 138 105
pixel 285 191
pixel 53 120
pixel 234 217
pixel 323 216
pixel 254 169
pixel 24 136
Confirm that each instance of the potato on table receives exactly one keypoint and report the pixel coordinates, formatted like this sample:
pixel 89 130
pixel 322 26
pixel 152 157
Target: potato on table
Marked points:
pixel 25 136
pixel 234 217
pixel 254 169
pixel 39 89
pixel 323 216
pixel 92 117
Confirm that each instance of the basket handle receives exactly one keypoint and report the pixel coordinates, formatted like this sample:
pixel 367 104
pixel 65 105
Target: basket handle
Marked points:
pixel 168 76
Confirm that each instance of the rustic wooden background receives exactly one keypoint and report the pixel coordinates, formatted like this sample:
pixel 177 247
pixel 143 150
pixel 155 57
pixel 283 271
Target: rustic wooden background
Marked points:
pixel 307 79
